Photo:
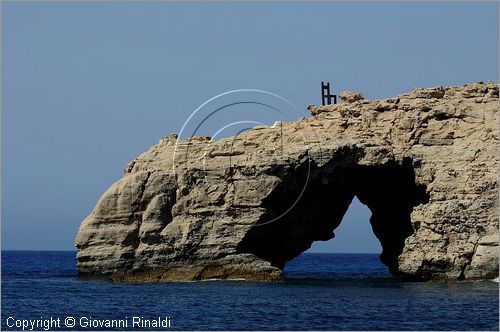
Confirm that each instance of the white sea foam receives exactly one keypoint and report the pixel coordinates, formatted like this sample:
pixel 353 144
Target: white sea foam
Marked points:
pixel 213 279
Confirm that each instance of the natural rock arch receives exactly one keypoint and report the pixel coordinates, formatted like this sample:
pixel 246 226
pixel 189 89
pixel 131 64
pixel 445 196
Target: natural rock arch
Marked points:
pixel 388 190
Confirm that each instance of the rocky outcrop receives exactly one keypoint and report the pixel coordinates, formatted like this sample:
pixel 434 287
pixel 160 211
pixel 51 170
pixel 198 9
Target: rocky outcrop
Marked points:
pixel 425 163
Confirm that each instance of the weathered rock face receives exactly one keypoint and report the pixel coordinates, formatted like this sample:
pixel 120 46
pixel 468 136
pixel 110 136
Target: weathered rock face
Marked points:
pixel 425 163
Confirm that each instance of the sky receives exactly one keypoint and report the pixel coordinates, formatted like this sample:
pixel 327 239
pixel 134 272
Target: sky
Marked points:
pixel 86 87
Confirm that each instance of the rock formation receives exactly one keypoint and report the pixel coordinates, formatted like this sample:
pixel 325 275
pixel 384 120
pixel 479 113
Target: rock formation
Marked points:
pixel 425 163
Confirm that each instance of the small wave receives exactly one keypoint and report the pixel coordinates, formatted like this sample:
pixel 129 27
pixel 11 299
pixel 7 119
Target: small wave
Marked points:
pixel 211 279
pixel 222 279
pixel 480 280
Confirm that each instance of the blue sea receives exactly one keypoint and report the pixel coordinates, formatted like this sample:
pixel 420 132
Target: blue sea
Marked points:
pixel 321 292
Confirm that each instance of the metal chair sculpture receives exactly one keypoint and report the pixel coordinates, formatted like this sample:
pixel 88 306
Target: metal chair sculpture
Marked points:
pixel 326 96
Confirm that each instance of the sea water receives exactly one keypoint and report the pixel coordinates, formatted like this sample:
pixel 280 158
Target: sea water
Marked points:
pixel 321 292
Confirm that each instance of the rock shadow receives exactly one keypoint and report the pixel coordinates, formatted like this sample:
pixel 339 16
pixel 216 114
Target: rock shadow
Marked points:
pixel 388 190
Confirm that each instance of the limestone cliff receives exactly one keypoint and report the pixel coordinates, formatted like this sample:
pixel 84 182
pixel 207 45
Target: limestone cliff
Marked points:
pixel 425 163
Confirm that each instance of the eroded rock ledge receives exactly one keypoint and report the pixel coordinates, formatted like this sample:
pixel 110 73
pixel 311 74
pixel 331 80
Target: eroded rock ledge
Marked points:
pixel 425 163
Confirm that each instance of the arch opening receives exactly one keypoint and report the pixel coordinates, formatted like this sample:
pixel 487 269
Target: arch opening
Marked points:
pixel 388 190
pixel 353 252
pixel 354 235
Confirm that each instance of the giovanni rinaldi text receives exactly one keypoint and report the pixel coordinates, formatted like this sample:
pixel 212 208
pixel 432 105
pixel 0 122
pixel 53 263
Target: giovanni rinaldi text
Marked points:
pixel 86 323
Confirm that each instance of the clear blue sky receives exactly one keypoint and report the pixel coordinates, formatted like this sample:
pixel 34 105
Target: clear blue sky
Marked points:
pixel 87 87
